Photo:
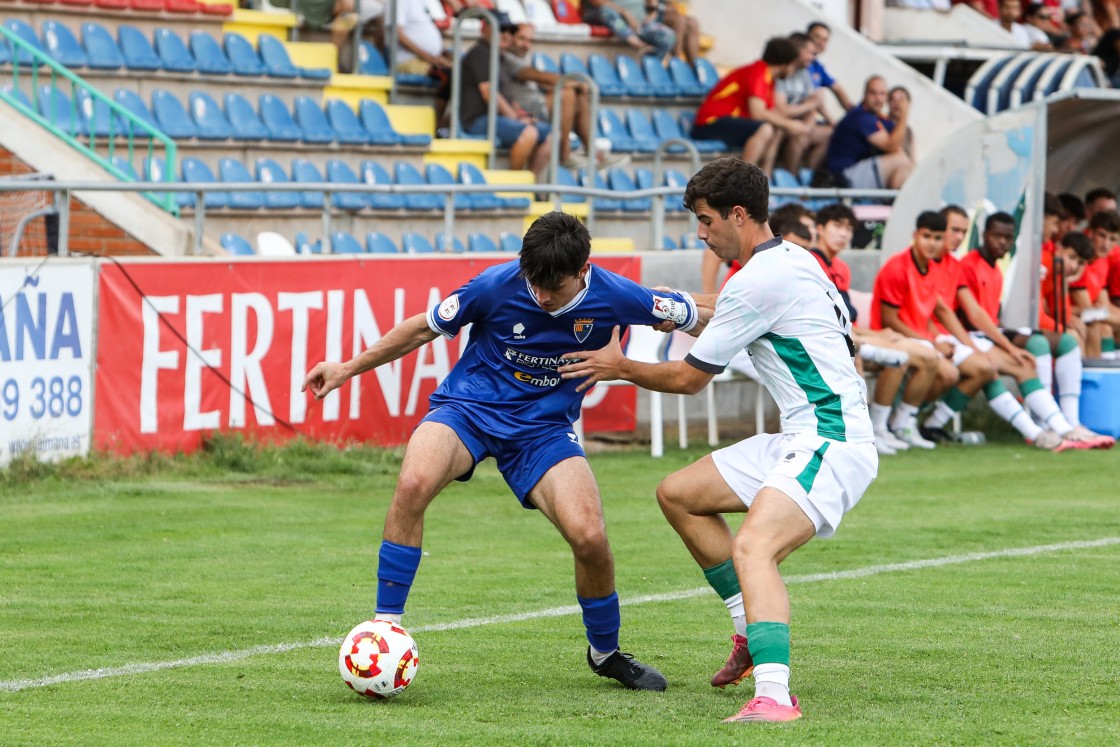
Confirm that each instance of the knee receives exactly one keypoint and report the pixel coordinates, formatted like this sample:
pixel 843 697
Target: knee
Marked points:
pixel 528 137
pixel 926 359
pixel 669 495
pixel 766 132
pixel 589 542
pixel 751 550
pixel 947 374
pixel 413 489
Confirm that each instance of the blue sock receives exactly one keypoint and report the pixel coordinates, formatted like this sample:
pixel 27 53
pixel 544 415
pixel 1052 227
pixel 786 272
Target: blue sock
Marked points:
pixel 396 568
pixel 602 620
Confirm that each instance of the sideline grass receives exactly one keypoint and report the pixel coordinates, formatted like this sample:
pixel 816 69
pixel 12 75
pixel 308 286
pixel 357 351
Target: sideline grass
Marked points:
pixel 109 563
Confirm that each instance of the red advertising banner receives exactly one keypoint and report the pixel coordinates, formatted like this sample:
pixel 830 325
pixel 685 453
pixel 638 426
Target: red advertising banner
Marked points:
pixel 186 348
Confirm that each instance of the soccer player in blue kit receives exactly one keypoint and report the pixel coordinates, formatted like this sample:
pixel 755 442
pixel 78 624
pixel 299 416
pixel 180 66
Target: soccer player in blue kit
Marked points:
pixel 505 399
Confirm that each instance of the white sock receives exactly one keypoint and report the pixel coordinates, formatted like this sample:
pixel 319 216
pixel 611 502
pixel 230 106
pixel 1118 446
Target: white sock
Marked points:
pixel 879 415
pixel 940 416
pixel 1008 408
pixel 738 613
pixel 905 416
pixel 1067 370
pixel 1043 367
pixel 1041 403
pixel 388 616
pixel 598 656
pixel 772 681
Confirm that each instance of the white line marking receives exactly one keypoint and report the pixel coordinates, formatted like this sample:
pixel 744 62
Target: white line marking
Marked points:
pixel 226 657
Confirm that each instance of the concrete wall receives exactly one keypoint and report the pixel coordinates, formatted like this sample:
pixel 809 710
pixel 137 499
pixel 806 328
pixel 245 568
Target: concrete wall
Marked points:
pixel 961 24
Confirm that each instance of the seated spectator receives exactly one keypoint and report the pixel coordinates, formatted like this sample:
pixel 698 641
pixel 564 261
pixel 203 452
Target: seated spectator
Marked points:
pixel 687 29
pixel 1106 13
pixel 1108 52
pixel 1041 19
pixel 796 97
pixel 1023 35
pixel 1083 36
pixel 989 8
pixel 650 35
pixel 866 150
pixel 739 110
pixel 898 102
pixel 340 15
pixel 820 33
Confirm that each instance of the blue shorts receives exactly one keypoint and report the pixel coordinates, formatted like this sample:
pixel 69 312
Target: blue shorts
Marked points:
pixel 522 459
pixel 507 131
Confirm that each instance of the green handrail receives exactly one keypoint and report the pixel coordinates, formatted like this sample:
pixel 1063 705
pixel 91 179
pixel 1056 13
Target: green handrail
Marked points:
pixel 134 127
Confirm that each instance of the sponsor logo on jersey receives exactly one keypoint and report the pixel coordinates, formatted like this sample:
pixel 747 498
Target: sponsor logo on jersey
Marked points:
pixel 449 308
pixel 582 328
pixel 519 331
pixel 541 381
pixel 513 355
pixel 668 308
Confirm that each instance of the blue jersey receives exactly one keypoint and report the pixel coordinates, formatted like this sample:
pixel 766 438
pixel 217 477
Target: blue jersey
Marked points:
pixel 507 375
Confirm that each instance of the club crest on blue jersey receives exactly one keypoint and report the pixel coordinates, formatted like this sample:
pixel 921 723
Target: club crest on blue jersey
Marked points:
pixel 582 328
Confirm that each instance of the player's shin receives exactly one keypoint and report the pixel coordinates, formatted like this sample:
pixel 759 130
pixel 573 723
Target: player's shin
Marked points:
pixel 396 570
pixel 722 578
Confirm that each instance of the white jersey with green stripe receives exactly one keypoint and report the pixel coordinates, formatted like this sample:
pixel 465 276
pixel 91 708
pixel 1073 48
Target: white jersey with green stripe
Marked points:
pixel 791 319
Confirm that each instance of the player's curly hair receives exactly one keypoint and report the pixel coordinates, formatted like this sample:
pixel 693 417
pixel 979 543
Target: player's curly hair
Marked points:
pixel 555 248
pixel 727 182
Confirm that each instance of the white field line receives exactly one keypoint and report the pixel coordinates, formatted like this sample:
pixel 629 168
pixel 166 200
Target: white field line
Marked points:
pixel 226 657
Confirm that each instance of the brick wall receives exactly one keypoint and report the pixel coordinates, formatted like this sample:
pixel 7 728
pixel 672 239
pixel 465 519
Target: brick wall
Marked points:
pixel 89 231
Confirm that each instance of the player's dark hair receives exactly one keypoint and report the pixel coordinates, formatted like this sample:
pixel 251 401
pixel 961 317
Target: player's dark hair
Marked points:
pixel 727 182
pixel 555 248
pixel 1080 244
pixel 1099 193
pixel 1109 220
pixel 817 25
pixel 786 220
pixel 904 89
pixel 799 40
pixel 931 221
pixel 1075 208
pixel 998 218
pixel 953 210
pixel 780 51
pixel 838 212
pixel 1051 205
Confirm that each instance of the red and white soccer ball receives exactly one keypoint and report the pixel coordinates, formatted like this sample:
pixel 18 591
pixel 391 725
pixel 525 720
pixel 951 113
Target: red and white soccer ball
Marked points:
pixel 378 659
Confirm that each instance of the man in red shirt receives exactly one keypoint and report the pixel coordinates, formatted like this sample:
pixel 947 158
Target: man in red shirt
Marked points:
pixel 739 110
pixel 1090 294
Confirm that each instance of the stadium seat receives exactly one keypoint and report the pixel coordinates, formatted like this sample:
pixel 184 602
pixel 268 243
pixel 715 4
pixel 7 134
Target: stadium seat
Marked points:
pixel 602 72
pixel 242 57
pixel 173 53
pixel 136 49
pixel 706 74
pixel 456 245
pixel 27 34
pixel 379 243
pixel 236 245
pixel 270 172
pixel 61 43
pixel 304 245
pixel 338 172
pixel 102 51
pixel 16 94
pixel 545 63
pixel 685 78
pixel 209 8
pixel 569 63
pixel 689 240
pixel 208 55
pixel 60 111
pixel 471 174
pixel 605 204
pixel 156 170
pixel 372 172
pixel 136 106
pixel 232 170
pixel 345 123
pixel 509 242
pixel 97 118
pixel 405 173
pixel 435 173
pixel 243 120
pixel 150 6
pixel 344 243
pixel 122 164
pixel 631 75
pixel 414 243
pixel 277 63
pixel 171 117
pixel 198 172
pixel 480 242
pixel 620 181
pixel 658 76
pixel 181 6
pixel 310 118
pixel 642 131
pixel 566 13
pixel 381 130
pixel 674 178
pixel 278 120
pixel 306 172
pixel 611 127
pixel 78 3
pixel 371 61
pixel 783 179
pixel 666 127
pixel 211 120
pixel 565 178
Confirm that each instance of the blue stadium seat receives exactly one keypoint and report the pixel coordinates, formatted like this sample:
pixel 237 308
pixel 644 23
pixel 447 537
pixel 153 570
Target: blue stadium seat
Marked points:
pixel 345 123
pixel 668 244
pixel 97 118
pixel 60 111
pixel 690 241
pixel 244 121
pixel 442 244
pixel 605 204
pixel 565 178
pixel 436 173
pixel 102 51
pixel 805 176
pixel 242 57
pixel 379 243
pixel 471 174
pixel 642 131
pixel 706 74
pixel 15 93
pixel 339 172
pixel 136 49
pixel 6 55
pixel 569 63
pixel 136 106
pixel 667 127
pixel 783 179
pixel 123 165
pixel 406 173
pixel 414 243
pixel 674 178
pixel 611 127
pixel 602 72
pixel 208 55
pixel 544 63
pixel 270 172
pixel 211 120
pixel 372 172
pixel 509 242
pixel 27 34
pixel 172 117
pixel 685 78
pixel 643 177
pixel 232 170
pixel 620 181
pixel 658 76
pixel 310 118
pixel 196 171
pixel 631 75
pixel 155 170
pixel 277 64
pixel 306 172
pixel 480 242
pixel 236 245
pixel 344 243
pixel 381 130
pixel 305 246
pixel 371 61
pixel 173 53
pixel 62 45
pixel 278 120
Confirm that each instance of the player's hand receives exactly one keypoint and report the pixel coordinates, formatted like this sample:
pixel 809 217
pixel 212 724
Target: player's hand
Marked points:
pixel 945 349
pixel 595 365
pixel 1024 357
pixel 324 379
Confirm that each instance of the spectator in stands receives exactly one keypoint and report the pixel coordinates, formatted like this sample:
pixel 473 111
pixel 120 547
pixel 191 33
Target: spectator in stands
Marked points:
pixel 1023 35
pixel 1040 19
pixel 739 110
pixel 1073 213
pixel 650 35
pixel 820 33
pixel 796 97
pixel 420 40
pixel 340 15
pixel 1108 52
pixel 898 106
pixel 687 29
pixel 866 150
pixel 526 138
pixel 1106 13
pixel 989 8
pixel 1083 36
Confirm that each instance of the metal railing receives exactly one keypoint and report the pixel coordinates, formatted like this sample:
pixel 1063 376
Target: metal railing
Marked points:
pixel 134 128
pixel 554 143
pixel 457 78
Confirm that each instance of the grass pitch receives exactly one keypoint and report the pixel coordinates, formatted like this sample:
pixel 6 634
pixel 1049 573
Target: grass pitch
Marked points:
pixel 214 590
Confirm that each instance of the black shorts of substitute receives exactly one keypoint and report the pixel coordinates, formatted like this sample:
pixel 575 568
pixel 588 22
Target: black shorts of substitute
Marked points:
pixel 733 131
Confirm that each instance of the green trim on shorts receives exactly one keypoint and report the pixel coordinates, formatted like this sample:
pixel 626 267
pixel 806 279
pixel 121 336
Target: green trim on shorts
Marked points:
pixel 722 578
pixel 809 474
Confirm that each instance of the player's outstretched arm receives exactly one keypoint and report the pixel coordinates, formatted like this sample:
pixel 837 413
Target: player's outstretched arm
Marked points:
pixel 608 363
pixel 398 342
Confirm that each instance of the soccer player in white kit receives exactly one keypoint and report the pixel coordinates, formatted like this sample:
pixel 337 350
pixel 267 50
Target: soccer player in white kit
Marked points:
pixel 794 485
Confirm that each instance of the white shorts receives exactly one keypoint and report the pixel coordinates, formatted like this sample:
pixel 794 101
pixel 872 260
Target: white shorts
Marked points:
pixel 825 478
pixel 962 351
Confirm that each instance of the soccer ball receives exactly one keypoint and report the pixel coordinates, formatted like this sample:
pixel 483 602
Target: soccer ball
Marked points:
pixel 378 659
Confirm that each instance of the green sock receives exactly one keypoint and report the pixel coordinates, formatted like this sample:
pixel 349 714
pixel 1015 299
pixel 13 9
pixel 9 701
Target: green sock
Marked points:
pixel 1108 345
pixel 768 643
pixel 722 578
